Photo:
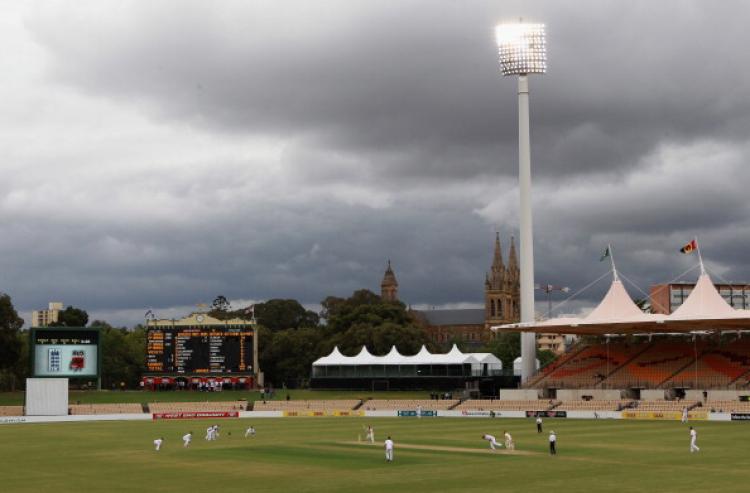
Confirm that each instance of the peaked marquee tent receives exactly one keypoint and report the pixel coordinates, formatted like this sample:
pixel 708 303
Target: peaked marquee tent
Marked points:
pixel 703 310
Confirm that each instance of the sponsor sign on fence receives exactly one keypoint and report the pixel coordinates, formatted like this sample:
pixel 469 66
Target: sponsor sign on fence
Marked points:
pixel 546 414
pixel 423 414
pixel 668 415
pixel 197 415
pixel 740 416
pixel 318 414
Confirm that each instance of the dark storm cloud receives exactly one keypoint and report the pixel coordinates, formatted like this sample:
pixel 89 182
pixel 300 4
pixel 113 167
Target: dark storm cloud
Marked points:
pixel 416 88
pixel 263 149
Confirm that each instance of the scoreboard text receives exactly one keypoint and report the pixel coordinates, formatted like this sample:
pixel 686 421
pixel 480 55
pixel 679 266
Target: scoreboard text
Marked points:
pixel 204 349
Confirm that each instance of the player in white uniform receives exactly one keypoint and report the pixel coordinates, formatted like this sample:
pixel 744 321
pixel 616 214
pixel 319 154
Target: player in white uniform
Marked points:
pixel 693 438
pixel 158 442
pixel 492 440
pixel 684 415
pixel 370 434
pixel 216 432
pixel 186 439
pixel 419 411
pixel 389 450
pixel 209 433
pixel 250 432
pixel 509 444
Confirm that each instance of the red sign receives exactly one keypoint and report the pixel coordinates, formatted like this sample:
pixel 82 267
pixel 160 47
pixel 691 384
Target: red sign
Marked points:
pixel 197 415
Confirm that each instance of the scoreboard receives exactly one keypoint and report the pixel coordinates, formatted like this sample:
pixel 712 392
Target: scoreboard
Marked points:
pixel 200 349
pixel 71 352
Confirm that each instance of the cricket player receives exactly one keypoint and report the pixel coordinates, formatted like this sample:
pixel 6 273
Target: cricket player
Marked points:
pixel 693 438
pixel 250 432
pixel 684 418
pixel 389 450
pixel 187 439
pixel 538 424
pixel 552 443
pixel 370 434
pixel 158 442
pixel 419 411
pixel 216 432
pixel 492 440
pixel 509 444
pixel 209 433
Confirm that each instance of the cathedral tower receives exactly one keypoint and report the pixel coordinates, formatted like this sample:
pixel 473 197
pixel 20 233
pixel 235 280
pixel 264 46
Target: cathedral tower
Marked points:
pixel 501 288
pixel 389 286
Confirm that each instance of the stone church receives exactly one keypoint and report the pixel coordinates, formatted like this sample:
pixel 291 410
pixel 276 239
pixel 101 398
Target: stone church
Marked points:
pixel 471 326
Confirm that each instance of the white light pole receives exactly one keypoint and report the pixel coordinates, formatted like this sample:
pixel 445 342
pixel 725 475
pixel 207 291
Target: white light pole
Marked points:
pixel 523 51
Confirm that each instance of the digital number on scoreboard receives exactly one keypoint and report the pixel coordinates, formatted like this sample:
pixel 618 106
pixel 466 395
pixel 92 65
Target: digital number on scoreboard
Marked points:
pixel 199 350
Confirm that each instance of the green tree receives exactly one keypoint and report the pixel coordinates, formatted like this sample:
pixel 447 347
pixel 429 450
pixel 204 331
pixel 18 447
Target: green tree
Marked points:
pixel 71 317
pixel 279 314
pixel 221 304
pixel 288 354
pixel 123 354
pixel 10 341
pixel 506 346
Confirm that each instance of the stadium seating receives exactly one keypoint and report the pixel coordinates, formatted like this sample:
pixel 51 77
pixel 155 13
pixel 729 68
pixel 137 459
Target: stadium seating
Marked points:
pixel 409 404
pixel 727 406
pixel 181 407
pixel 716 368
pixel 314 405
pixel 499 405
pixel 11 410
pixel 594 405
pixel 129 408
pixel 665 406
pixel 589 367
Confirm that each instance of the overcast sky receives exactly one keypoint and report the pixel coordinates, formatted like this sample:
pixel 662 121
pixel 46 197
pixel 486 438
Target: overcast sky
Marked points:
pixel 157 154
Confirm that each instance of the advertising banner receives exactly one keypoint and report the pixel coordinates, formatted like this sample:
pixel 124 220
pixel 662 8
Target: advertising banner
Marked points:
pixel 197 415
pixel 740 416
pixel 546 414
pixel 413 414
pixel 667 415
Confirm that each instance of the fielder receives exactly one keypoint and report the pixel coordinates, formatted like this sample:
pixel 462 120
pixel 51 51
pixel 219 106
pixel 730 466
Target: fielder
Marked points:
pixel 389 450
pixel 209 433
pixel 693 438
pixel 250 432
pixel 684 418
pixel 370 434
pixel 158 442
pixel 552 443
pixel 538 424
pixel 187 439
pixel 419 411
pixel 492 440
pixel 509 443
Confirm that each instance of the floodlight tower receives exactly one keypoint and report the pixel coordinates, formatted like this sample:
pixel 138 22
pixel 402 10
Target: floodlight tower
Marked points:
pixel 522 52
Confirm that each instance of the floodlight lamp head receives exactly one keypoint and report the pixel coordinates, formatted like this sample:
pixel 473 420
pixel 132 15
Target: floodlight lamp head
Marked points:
pixel 522 48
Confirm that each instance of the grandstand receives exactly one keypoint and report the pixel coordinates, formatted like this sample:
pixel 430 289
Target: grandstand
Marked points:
pixel 307 405
pixel 503 405
pixel 183 407
pixel 667 363
pixel 397 404
pixel 124 408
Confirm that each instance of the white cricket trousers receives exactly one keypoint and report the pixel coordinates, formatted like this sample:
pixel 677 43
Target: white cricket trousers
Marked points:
pixel 693 446
pixel 389 455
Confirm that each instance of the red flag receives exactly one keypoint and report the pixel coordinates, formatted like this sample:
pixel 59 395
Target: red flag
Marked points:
pixel 693 245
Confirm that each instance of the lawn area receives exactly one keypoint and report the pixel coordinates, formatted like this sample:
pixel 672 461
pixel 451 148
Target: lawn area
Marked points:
pixel 139 396
pixel 323 455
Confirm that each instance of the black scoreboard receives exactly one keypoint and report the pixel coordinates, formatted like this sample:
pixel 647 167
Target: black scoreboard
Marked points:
pixel 201 349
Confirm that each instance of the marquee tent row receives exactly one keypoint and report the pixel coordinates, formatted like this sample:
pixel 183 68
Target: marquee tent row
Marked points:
pixel 424 363
pixel 703 310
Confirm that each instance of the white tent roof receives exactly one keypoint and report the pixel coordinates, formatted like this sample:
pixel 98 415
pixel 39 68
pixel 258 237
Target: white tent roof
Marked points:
pixel 616 305
pixel 617 313
pixel 423 357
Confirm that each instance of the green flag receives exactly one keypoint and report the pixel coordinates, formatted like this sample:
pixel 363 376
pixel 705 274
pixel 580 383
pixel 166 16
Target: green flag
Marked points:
pixel 605 254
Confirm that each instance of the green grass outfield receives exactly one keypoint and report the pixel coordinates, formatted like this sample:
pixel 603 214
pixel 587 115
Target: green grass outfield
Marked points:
pixel 140 396
pixel 322 454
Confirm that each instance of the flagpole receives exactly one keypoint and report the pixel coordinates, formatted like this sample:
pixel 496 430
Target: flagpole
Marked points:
pixel 700 257
pixel 612 260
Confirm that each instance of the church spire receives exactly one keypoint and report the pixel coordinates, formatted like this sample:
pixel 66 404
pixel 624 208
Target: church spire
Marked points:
pixel 497 260
pixel 512 259
pixel 389 286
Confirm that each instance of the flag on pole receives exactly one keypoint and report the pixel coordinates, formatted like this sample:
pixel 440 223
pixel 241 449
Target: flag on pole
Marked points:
pixel 606 254
pixel 690 247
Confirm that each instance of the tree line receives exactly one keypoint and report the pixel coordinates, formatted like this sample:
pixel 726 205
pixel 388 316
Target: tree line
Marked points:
pixel 290 337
